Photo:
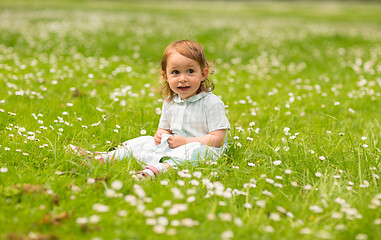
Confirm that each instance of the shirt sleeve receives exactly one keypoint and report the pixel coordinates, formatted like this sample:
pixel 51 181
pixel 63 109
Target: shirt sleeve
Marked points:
pixel 215 115
pixel 164 119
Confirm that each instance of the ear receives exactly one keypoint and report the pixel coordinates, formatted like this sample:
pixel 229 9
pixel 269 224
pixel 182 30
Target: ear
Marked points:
pixel 164 75
pixel 205 73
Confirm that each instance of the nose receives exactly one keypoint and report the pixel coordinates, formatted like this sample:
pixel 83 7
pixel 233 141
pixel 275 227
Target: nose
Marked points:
pixel 182 78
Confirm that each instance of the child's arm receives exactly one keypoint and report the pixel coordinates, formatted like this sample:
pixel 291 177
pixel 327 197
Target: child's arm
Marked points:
pixel 158 134
pixel 214 139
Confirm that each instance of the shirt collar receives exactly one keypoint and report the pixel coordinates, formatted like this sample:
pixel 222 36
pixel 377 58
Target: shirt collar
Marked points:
pixel 194 98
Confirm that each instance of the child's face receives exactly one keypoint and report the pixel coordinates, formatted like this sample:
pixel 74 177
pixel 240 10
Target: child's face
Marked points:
pixel 184 75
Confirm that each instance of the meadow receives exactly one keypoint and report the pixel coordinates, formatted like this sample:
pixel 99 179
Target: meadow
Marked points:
pixel 302 87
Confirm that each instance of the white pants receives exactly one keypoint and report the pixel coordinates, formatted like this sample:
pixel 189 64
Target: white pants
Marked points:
pixel 145 150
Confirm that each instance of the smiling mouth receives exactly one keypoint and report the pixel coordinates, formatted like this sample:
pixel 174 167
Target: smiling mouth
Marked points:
pixel 183 88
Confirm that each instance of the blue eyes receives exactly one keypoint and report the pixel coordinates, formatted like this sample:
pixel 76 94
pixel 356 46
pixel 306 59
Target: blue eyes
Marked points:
pixel 177 72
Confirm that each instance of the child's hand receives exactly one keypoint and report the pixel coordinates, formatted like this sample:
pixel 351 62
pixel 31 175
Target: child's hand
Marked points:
pixel 158 135
pixel 157 138
pixel 176 141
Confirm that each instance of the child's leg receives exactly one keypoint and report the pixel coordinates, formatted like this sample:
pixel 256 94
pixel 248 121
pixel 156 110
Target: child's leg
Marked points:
pixel 190 153
pixel 120 153
pixel 136 147
pixel 101 157
pixel 126 149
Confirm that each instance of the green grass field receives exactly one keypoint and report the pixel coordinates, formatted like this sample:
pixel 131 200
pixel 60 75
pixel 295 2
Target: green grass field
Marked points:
pixel 302 88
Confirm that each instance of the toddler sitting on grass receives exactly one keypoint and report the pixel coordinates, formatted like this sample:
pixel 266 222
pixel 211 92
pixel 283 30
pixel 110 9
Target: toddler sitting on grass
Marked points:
pixel 193 125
